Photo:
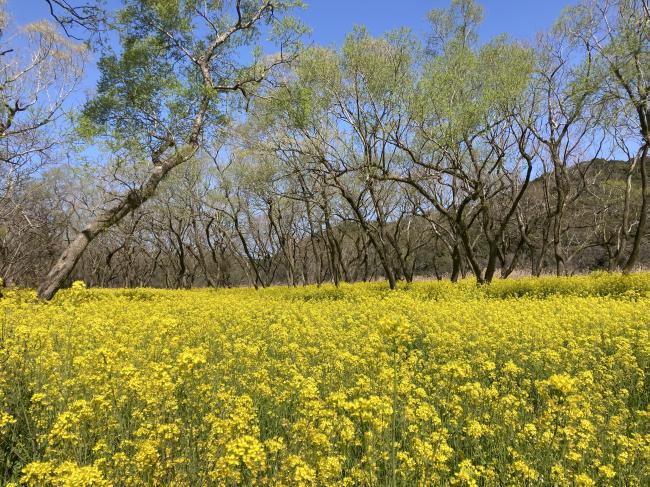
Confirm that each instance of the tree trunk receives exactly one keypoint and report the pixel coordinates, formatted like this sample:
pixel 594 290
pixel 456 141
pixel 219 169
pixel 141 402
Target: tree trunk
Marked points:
pixel 491 263
pixel 643 216
pixel 130 202
pixel 455 260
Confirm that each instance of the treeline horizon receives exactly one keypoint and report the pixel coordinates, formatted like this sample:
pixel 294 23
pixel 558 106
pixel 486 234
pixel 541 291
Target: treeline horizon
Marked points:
pixel 392 157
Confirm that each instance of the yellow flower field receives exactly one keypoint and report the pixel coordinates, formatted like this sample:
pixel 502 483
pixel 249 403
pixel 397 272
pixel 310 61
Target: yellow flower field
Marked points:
pixel 525 382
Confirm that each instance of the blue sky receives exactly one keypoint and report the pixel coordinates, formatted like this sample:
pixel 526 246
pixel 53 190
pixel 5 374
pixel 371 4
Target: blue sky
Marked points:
pixel 331 20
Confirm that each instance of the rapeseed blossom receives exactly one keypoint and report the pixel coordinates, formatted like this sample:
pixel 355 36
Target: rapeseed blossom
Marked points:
pixel 525 382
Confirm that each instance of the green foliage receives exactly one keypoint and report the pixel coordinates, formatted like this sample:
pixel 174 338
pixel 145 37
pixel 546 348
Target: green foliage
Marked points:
pixel 137 83
pixel 152 86
pixel 464 89
pixel 455 26
pixel 372 71
pixel 378 67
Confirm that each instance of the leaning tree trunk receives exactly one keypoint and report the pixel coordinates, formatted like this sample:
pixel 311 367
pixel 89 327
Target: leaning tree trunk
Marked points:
pixel 135 198
pixel 109 217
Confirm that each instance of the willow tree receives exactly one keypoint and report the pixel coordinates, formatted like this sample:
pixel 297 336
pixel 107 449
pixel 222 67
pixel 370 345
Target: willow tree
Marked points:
pixel 330 121
pixel 165 81
pixel 465 150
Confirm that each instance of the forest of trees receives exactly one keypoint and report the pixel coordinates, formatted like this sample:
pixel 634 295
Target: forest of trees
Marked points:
pixel 222 148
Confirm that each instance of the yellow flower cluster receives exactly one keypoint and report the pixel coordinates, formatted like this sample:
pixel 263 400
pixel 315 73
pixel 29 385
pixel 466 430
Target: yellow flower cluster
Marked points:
pixel 525 382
